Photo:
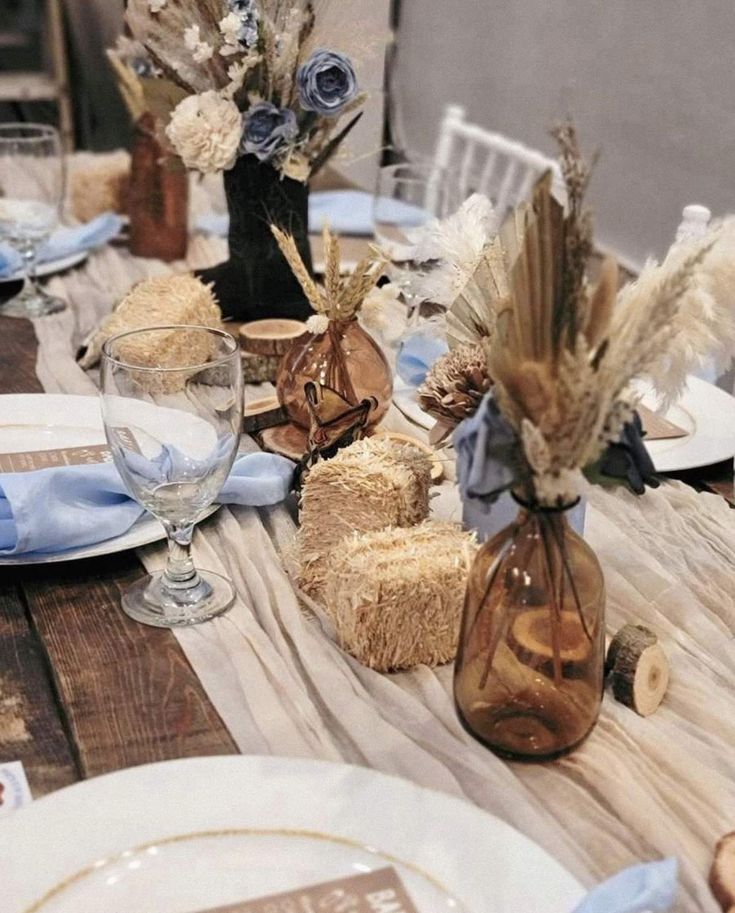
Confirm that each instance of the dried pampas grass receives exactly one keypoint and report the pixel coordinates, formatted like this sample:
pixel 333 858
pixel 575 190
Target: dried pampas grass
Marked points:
pixel 703 327
pixel 369 485
pixel 396 595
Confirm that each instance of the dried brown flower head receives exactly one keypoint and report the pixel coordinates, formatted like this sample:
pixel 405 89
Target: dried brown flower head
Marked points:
pixel 455 386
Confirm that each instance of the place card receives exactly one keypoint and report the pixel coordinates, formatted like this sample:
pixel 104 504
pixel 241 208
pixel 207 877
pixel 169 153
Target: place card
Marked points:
pixel 381 891
pixel 656 427
pixel 29 461
pixel 14 789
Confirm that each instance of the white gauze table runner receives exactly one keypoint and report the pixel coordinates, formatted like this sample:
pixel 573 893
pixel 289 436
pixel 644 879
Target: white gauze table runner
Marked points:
pixel 638 789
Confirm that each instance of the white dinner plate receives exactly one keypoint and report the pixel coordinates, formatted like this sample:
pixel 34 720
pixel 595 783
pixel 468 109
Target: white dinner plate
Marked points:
pixel 406 400
pixel 705 412
pixel 42 421
pixel 49 267
pixel 195 834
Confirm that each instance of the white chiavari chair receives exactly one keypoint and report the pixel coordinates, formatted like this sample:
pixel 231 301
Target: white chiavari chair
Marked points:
pixel 481 161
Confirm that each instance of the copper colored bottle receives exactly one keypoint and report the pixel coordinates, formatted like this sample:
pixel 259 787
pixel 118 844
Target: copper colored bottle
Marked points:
pixel 158 202
pixel 528 679
pixel 347 366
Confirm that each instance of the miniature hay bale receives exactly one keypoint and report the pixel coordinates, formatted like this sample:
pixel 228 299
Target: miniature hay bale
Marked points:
pixel 99 186
pixel 396 595
pixel 163 301
pixel 367 486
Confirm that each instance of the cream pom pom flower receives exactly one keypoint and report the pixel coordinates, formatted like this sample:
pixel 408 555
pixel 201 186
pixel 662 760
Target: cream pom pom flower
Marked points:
pixel 205 131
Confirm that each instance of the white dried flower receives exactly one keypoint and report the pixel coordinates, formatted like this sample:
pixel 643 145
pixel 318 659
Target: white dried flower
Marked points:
pixel 297 167
pixel 205 131
pixel 203 52
pixel 155 6
pixel 192 37
pixel 228 50
pixel 230 28
pixel 317 324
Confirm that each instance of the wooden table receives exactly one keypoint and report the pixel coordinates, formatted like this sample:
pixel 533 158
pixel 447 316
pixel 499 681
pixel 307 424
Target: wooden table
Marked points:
pixel 83 689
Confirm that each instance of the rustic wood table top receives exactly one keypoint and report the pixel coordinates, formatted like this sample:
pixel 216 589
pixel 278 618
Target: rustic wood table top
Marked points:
pixel 83 689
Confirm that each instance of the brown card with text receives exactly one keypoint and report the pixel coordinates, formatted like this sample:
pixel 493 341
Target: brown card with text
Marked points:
pixel 375 892
pixel 31 460
pixel 656 427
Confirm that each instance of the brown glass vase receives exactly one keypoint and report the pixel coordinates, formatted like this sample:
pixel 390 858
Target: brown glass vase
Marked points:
pixel 529 674
pixel 347 366
pixel 158 199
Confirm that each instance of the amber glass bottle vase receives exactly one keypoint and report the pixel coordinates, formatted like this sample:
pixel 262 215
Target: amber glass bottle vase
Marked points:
pixel 529 673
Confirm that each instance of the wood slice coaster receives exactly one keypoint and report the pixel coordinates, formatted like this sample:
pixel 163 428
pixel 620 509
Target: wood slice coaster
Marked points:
pixel 270 337
pixel 263 413
pixel 289 440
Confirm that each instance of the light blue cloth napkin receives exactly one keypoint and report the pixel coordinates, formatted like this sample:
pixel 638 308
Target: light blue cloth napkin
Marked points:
pixel 648 888
pixel 65 241
pixel 53 510
pixel 348 212
pixel 417 353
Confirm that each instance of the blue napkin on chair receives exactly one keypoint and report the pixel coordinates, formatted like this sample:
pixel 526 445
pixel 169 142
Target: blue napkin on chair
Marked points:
pixel 53 510
pixel 348 212
pixel 65 241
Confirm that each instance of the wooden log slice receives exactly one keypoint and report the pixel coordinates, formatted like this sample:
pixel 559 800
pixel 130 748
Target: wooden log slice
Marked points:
pixel 289 440
pixel 270 337
pixel 640 670
pixel 263 413
pixel 722 873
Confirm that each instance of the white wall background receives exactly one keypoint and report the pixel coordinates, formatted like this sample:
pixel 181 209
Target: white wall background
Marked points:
pixel 650 81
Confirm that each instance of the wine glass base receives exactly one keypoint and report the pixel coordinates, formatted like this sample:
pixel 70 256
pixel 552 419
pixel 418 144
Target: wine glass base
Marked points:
pixel 150 603
pixel 32 304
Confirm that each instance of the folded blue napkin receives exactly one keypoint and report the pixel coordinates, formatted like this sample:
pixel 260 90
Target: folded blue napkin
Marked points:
pixel 348 212
pixel 65 241
pixel 417 353
pixel 648 888
pixel 52 510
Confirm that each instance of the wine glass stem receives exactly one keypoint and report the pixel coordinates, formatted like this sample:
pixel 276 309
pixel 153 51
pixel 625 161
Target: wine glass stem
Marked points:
pixel 29 253
pixel 180 573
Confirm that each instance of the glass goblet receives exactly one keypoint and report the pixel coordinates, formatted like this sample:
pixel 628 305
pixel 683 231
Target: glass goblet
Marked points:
pixel 31 194
pixel 174 428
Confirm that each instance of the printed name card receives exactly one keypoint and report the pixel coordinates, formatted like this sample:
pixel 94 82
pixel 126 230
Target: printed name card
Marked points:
pixel 376 892
pixel 14 789
pixel 68 456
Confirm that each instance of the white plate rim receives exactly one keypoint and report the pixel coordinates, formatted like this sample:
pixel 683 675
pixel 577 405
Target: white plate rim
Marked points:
pixel 48 406
pixel 127 808
pixel 49 267
pixel 712 441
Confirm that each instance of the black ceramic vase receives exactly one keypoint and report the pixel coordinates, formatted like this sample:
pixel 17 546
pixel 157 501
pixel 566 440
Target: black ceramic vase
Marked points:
pixel 257 281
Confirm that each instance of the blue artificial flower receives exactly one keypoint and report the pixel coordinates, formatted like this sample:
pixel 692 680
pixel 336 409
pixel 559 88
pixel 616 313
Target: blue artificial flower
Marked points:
pixel 268 130
pixel 248 13
pixel 327 82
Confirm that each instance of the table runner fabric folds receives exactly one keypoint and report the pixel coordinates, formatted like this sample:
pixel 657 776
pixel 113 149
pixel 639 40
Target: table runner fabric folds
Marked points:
pixel 637 790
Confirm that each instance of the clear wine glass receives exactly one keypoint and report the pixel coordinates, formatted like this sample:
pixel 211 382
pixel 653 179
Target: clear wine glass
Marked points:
pixel 31 194
pixel 174 429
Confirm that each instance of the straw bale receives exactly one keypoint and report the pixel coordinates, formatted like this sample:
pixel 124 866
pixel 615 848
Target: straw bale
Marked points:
pixel 162 301
pixel 396 595
pixel 98 186
pixel 369 485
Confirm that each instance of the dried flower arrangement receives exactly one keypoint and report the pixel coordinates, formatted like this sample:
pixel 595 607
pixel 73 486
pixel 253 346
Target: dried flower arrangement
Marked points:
pixel 562 354
pixel 454 388
pixel 340 297
pixel 245 77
